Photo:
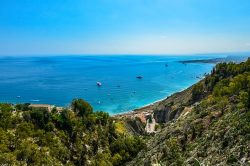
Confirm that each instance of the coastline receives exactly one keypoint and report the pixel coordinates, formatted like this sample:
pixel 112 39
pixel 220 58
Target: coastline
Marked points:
pixel 155 104
pixel 212 61
pixel 149 108
pixel 141 111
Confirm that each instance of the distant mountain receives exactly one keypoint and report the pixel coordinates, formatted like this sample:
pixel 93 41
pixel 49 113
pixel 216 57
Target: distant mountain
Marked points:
pixel 231 58
pixel 237 59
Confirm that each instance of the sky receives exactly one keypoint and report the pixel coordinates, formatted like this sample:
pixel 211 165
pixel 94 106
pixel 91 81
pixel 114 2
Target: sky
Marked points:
pixel 48 27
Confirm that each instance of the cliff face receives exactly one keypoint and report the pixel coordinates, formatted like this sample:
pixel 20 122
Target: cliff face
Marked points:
pixel 167 114
pixel 135 126
pixel 205 124
pixel 162 115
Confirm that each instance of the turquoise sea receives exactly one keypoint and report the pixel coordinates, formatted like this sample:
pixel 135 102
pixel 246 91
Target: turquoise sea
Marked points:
pixel 59 79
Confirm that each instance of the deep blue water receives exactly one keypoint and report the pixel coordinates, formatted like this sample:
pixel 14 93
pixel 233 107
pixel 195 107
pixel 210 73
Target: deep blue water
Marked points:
pixel 59 79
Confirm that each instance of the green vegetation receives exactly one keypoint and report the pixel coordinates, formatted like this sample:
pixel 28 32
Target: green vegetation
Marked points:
pixel 70 137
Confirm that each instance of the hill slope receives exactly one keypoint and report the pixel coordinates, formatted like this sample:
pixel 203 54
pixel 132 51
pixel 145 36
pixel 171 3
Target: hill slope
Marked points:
pixel 214 126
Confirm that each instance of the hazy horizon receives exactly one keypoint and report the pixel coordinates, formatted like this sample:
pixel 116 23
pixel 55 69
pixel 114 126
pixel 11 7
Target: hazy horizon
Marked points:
pixel 130 27
pixel 122 54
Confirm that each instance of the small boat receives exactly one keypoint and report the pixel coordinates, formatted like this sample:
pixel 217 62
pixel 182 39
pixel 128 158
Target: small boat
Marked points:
pixel 139 77
pixel 99 84
pixel 18 96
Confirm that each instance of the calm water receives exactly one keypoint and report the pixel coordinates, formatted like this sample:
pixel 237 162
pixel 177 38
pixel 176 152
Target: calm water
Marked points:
pixel 57 80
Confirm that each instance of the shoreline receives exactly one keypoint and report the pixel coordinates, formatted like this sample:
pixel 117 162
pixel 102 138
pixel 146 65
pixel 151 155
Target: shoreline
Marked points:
pixel 149 108
pixel 155 103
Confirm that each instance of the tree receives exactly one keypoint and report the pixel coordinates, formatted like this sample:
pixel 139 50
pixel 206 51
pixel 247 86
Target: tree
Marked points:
pixel 244 99
pixel 5 116
pixel 40 117
pixel 81 107
pixel 116 159
pixel 23 107
pixel 197 91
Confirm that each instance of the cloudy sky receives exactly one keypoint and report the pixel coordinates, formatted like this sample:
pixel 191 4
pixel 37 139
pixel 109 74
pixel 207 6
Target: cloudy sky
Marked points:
pixel 123 26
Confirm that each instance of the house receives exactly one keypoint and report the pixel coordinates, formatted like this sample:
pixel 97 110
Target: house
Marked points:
pixel 46 106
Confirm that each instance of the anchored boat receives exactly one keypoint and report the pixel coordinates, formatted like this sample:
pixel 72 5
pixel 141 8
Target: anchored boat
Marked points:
pixel 99 84
pixel 139 77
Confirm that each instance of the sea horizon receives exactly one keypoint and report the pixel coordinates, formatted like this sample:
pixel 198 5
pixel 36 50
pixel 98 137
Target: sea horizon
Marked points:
pixel 211 54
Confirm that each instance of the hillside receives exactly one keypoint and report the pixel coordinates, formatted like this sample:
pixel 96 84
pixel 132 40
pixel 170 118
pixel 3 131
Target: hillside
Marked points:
pixel 213 127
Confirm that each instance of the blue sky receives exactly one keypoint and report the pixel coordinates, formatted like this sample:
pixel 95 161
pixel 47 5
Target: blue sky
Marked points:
pixel 124 26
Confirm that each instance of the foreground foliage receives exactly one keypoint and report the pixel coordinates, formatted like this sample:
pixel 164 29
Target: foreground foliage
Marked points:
pixel 70 137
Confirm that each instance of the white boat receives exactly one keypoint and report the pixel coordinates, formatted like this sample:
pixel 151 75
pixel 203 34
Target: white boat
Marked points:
pixel 98 83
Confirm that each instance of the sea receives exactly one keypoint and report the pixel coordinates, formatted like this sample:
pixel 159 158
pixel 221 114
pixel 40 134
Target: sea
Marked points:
pixel 57 80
